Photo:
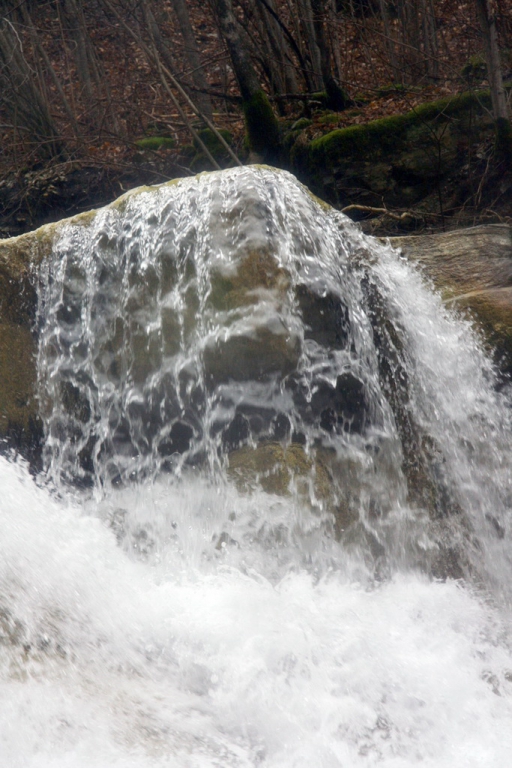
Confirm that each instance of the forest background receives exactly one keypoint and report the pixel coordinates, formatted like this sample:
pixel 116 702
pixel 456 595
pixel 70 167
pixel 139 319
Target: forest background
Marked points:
pixel 97 96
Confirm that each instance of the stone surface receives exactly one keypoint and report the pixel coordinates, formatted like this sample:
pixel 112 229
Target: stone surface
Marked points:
pixel 473 270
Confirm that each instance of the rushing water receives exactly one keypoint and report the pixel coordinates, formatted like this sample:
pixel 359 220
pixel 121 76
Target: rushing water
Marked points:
pixel 167 596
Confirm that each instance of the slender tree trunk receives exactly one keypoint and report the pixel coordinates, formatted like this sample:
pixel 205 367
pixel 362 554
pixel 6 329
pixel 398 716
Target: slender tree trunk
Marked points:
pixel 390 42
pixel 82 54
pixel 193 57
pixel 278 47
pixel 49 68
pixel 96 90
pixel 260 120
pixel 269 52
pixel 336 97
pixel 430 38
pixel 156 36
pixel 294 10
pixel 495 77
pixel 492 56
pixel 306 17
pixel 290 79
pixel 411 65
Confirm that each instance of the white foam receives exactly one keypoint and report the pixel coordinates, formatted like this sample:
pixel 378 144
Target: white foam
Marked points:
pixel 132 662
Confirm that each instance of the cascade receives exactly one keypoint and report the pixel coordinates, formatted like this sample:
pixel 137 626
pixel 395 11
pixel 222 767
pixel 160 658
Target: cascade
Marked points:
pixel 272 524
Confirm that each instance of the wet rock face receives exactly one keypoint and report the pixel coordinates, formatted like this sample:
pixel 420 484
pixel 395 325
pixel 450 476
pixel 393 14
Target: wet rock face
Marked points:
pixel 341 407
pixel 274 351
pixel 257 355
pixel 473 270
pixel 20 426
pixel 165 341
pixel 188 327
pixel 325 318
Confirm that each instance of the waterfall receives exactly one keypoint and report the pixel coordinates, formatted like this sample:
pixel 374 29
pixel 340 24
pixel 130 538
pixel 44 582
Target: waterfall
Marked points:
pixel 272 528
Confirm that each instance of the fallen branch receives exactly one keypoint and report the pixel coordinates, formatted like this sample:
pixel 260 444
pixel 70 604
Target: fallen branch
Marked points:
pixel 371 209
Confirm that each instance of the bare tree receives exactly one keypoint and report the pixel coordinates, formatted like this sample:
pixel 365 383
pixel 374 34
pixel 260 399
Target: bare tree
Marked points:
pixel 20 96
pixel 337 99
pixel 487 19
pixel 193 57
pixel 306 17
pixel 260 120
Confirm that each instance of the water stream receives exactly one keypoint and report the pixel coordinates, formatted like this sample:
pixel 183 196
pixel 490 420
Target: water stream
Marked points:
pixel 273 523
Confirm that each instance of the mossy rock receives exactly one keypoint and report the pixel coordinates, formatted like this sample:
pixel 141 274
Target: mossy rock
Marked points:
pixel 252 346
pixel 301 124
pixel 492 308
pixel 212 141
pixel 321 98
pixel 329 118
pixel 419 148
pixel 270 466
pixel 214 145
pixel 388 133
pixel 155 143
pixel 188 151
pixel 20 425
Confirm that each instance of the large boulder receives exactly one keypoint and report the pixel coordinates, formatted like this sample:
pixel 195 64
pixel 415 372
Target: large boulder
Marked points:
pixel 283 414
pixel 473 270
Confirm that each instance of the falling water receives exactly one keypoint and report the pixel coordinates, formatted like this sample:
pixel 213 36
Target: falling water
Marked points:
pixel 273 523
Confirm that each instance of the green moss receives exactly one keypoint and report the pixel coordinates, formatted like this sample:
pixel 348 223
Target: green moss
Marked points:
pixel 212 141
pixel 475 70
pixel 328 118
pixel 389 132
pixel 321 97
pixel 301 123
pixel 262 127
pixel 156 142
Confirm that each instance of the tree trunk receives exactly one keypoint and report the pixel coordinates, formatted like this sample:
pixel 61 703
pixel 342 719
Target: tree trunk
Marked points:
pixel 430 38
pixel 306 16
pixel 279 46
pixel 495 77
pixel 390 42
pixel 411 64
pixel 336 97
pixel 268 52
pixel 260 120
pixel 192 55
